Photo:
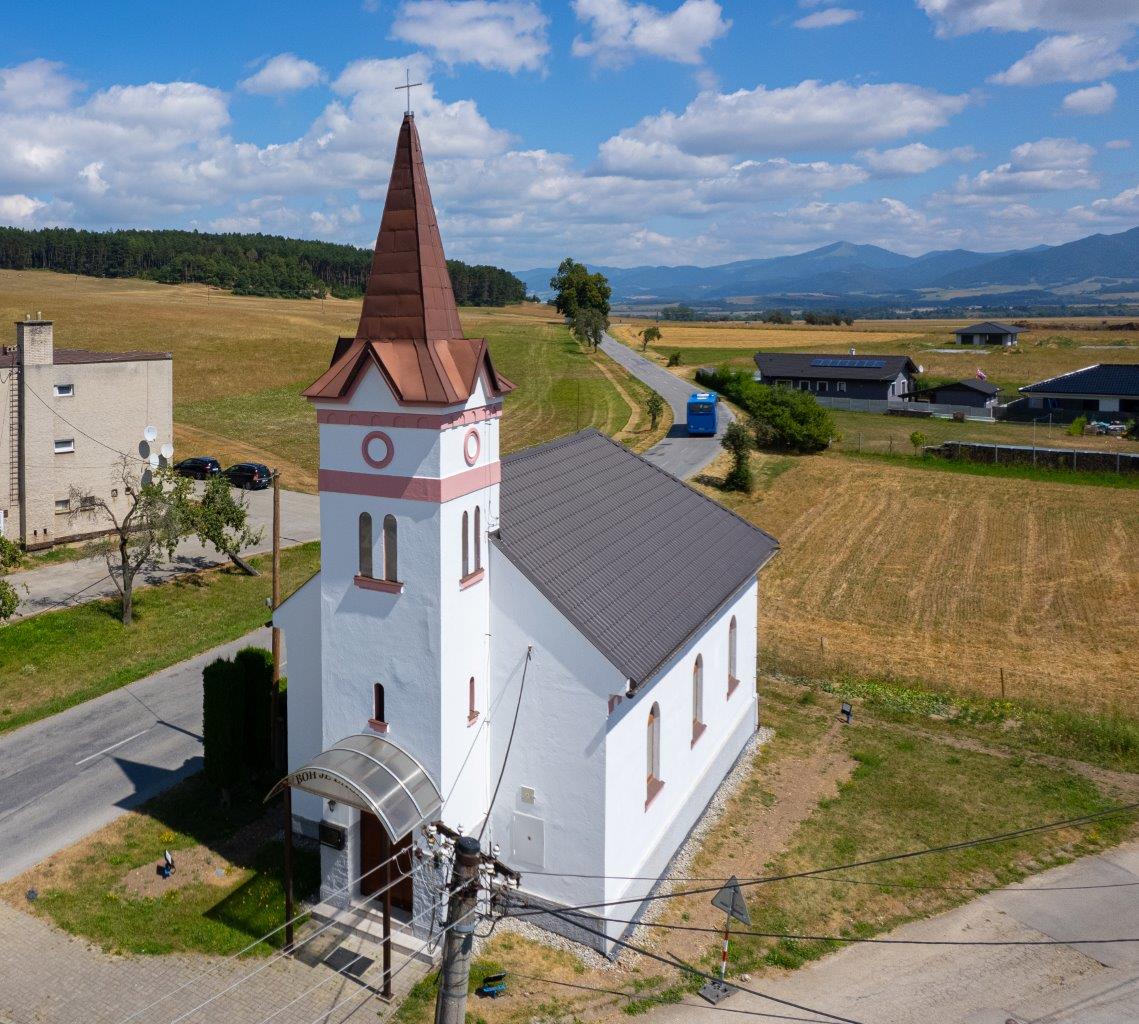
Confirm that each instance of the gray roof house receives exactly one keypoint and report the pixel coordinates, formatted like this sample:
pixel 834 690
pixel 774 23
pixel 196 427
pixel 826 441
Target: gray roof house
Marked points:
pixel 988 333
pixel 1104 387
pixel 879 378
pixel 973 392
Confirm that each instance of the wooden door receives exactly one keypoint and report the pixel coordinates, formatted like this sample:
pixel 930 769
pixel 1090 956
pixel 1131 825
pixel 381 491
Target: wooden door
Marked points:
pixel 375 849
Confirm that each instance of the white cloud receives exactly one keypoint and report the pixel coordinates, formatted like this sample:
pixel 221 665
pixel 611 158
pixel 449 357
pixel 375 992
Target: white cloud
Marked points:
pixel 186 107
pixel 1097 99
pixel 647 158
pixel 810 115
pixel 754 180
pixel 958 17
pixel 916 158
pixel 1048 165
pixel 1121 209
pixel 828 18
pixel 19 209
pixel 1118 144
pixel 283 73
pixel 1069 58
pixel 36 85
pixel 508 35
pixel 620 30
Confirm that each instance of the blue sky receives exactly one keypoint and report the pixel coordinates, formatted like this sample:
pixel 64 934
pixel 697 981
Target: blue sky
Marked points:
pixel 618 132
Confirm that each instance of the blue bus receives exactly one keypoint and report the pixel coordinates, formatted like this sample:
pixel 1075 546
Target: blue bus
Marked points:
pixel 702 414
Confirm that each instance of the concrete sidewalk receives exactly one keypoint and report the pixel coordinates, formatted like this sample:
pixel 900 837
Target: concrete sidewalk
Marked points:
pixel 70 583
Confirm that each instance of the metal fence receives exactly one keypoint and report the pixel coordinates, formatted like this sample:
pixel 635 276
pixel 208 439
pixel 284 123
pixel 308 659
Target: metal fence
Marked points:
pixel 916 409
pixel 1050 458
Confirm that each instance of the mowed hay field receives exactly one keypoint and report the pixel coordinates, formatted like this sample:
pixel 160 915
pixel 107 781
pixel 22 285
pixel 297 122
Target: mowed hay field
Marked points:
pixel 945 579
pixel 1047 348
pixel 240 363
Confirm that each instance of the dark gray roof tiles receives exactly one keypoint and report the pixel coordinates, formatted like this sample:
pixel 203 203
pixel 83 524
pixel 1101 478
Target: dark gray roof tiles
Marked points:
pixel 984 386
pixel 1101 379
pixel 989 327
pixel 780 365
pixel 634 558
pixel 83 356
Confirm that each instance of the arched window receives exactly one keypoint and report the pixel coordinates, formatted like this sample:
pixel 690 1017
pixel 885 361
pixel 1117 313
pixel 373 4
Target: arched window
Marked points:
pixel 698 698
pixel 478 538
pixel 365 527
pixel 472 706
pixel 378 712
pixel 733 678
pixel 466 546
pixel 391 568
pixel 653 781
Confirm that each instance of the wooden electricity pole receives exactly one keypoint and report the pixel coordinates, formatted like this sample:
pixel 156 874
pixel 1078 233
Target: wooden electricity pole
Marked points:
pixel 455 972
pixel 275 702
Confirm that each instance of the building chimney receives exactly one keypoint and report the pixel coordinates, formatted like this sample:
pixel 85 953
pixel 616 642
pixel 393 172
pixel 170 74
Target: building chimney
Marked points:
pixel 34 342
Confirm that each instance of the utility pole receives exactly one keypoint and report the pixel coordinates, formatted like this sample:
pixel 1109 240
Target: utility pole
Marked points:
pixel 455 973
pixel 275 701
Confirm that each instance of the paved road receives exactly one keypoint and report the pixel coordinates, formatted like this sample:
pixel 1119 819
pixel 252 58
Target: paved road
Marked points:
pixel 68 583
pixel 76 771
pixel 679 454
pixel 1064 984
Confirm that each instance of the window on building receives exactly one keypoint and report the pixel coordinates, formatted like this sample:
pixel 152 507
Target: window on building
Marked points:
pixel 64 445
pixel 822 385
pixel 478 538
pixel 466 546
pixel 379 712
pixel 840 385
pixel 653 781
pixel 64 390
pixel 472 704
pixel 733 675
pixel 63 504
pixel 391 569
pixel 698 698
pixel 365 539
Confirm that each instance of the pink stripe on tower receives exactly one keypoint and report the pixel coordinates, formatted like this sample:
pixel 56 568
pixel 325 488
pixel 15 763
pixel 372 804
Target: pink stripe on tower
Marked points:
pixel 413 488
pixel 425 421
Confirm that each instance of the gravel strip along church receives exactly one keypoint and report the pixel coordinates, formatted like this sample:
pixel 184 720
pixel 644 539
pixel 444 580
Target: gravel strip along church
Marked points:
pixel 613 606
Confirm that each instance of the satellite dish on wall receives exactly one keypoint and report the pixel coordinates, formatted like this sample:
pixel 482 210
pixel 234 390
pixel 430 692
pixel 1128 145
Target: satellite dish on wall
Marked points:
pixel 150 433
pixel 167 450
pixel 153 460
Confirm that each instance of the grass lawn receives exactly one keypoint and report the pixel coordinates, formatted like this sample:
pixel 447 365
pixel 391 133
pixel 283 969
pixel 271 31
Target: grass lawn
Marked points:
pixel 53 661
pixel 225 892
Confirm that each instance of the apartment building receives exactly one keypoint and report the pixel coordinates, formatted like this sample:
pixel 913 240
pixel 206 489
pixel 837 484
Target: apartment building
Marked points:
pixel 66 416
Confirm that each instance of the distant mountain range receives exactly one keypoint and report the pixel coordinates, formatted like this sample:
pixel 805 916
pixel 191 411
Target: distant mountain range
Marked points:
pixel 1098 270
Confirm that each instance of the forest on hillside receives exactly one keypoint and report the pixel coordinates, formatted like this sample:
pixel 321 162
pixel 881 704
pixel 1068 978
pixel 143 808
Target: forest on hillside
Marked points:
pixel 270 265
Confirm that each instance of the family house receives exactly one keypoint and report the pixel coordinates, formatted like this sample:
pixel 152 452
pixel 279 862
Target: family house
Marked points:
pixel 988 333
pixel 882 378
pixel 608 606
pixel 1104 387
pixel 980 394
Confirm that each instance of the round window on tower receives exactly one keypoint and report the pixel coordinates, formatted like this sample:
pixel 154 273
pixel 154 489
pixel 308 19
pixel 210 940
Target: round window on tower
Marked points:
pixel 377 449
pixel 471 446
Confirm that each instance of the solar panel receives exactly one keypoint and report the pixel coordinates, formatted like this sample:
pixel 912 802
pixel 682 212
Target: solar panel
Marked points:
pixel 850 364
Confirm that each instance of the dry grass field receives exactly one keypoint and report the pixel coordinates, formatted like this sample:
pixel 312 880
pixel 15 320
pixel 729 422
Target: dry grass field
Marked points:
pixel 241 362
pixel 945 579
pixel 1046 349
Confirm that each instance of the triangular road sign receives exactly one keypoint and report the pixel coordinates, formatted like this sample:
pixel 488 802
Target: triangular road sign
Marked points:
pixel 730 899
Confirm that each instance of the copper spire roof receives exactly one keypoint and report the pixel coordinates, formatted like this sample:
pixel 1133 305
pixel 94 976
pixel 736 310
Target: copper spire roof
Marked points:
pixel 409 324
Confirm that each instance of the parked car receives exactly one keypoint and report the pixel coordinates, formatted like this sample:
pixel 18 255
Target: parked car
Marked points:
pixel 200 467
pixel 252 476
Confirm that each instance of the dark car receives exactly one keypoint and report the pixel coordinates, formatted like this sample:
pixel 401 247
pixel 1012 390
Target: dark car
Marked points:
pixel 252 476
pixel 201 467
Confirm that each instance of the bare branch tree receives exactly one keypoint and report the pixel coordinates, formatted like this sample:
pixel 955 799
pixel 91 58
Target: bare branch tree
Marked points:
pixel 151 523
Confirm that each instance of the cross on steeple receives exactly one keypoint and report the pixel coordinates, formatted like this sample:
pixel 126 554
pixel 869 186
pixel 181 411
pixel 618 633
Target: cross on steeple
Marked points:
pixel 409 86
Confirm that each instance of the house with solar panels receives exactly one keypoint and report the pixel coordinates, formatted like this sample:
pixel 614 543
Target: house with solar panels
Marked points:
pixel 1104 387
pixel 877 378
pixel 553 651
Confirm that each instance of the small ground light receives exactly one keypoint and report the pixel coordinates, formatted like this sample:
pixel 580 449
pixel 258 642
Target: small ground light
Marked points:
pixel 32 895
pixel 846 712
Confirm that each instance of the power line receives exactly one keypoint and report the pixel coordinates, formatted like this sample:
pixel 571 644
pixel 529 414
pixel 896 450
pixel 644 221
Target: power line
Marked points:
pixel 509 743
pixel 1084 819
pixel 89 437
pixel 696 972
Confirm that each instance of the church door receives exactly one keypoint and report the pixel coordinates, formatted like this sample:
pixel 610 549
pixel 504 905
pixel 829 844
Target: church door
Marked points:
pixel 375 849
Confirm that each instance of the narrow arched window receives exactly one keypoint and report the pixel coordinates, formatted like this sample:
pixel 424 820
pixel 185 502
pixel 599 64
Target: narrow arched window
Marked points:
pixel 365 526
pixel 378 710
pixel 733 674
pixel 472 704
pixel 466 546
pixel 698 698
pixel 391 567
pixel 478 538
pixel 652 750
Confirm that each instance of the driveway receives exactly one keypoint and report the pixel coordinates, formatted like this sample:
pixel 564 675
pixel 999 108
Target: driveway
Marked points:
pixel 76 771
pixel 70 583
pixel 1062 984
pixel 677 453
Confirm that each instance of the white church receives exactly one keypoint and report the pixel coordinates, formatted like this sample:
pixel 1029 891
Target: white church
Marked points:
pixel 605 603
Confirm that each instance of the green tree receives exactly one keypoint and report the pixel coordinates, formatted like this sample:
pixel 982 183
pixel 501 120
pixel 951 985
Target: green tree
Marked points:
pixel 674 359
pixel 578 289
pixel 738 440
pixel 679 312
pixel 588 324
pixel 151 525
pixel 221 521
pixel 9 599
pixel 918 439
pixel 655 409
pixel 649 335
